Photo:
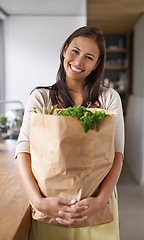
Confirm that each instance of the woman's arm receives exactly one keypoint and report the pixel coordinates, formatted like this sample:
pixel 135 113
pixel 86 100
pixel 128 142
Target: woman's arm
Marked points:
pixel 29 184
pixel 110 181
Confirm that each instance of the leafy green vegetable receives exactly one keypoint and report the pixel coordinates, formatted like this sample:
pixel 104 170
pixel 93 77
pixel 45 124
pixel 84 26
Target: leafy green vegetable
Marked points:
pixel 88 119
pixel 52 109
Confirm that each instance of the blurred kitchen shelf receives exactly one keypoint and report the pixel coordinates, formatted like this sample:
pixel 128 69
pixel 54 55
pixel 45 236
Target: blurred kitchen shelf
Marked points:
pixel 115 67
pixel 116 73
pixel 116 50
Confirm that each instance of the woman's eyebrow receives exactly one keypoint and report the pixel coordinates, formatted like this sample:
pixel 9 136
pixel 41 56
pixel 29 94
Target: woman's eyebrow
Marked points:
pixel 87 53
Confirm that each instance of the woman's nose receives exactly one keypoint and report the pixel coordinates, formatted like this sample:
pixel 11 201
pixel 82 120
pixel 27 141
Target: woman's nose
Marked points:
pixel 79 61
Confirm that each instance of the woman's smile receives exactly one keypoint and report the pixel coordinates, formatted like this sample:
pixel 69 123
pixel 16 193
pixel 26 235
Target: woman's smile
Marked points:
pixel 80 58
pixel 76 69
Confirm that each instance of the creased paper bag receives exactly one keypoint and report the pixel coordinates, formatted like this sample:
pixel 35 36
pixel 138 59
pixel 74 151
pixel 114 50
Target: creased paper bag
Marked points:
pixel 69 164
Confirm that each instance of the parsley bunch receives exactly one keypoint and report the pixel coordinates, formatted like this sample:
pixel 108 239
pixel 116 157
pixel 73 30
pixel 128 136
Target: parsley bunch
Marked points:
pixel 88 119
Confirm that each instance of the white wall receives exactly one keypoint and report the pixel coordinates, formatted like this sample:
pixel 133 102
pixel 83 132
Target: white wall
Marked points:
pixel 138 58
pixel 32 47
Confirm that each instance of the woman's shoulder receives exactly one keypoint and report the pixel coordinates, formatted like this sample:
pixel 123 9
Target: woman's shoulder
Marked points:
pixel 108 91
pixel 109 97
pixel 39 97
pixel 43 91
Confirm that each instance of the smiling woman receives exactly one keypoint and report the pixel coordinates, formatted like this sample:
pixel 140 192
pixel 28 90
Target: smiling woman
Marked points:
pixel 78 83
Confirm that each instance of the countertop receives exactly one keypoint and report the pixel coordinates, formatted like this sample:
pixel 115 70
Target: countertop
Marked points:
pixel 14 206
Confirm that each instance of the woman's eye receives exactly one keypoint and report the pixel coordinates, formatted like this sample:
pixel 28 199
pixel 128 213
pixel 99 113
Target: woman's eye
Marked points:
pixel 75 51
pixel 89 58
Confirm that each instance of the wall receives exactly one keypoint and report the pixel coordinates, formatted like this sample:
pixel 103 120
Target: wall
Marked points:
pixel 138 58
pixel 32 47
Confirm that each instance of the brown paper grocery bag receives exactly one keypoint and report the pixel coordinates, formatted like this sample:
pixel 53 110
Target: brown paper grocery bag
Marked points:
pixel 69 164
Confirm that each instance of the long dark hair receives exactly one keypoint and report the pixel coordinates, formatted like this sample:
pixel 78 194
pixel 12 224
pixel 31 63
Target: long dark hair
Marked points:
pixel 59 92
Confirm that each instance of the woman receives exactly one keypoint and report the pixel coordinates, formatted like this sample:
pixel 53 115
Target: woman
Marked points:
pixel 78 83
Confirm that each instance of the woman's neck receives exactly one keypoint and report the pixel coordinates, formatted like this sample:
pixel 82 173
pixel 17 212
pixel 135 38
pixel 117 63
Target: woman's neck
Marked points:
pixel 77 97
pixel 76 92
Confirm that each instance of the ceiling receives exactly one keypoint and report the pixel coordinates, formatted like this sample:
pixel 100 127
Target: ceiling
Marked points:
pixel 44 7
pixel 112 16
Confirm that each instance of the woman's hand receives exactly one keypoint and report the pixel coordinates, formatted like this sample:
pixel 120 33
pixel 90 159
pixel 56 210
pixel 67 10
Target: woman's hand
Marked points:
pixel 63 210
pixel 81 210
pixel 94 205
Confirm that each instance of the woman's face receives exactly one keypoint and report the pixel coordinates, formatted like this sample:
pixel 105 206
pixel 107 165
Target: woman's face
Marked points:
pixel 80 58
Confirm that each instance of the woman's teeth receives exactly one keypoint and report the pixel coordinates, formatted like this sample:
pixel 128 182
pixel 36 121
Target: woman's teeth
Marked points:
pixel 75 69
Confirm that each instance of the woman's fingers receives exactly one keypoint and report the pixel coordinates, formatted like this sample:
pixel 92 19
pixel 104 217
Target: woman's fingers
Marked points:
pixel 83 202
pixel 69 215
pixel 74 209
pixel 71 222
pixel 69 209
pixel 67 202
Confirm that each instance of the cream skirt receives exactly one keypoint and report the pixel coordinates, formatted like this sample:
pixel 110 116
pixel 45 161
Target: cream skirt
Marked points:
pixel 110 231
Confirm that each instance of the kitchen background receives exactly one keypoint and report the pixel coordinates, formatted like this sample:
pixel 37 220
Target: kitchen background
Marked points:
pixel 31 35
